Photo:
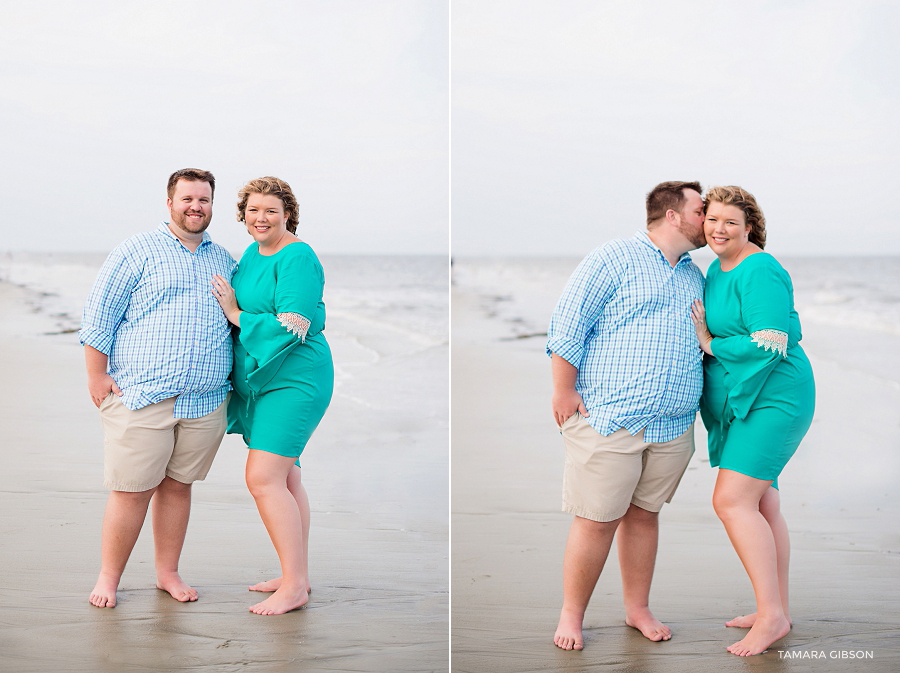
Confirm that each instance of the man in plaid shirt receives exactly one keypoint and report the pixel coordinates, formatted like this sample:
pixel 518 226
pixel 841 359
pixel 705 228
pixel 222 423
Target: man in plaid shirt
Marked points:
pixel 627 377
pixel 158 354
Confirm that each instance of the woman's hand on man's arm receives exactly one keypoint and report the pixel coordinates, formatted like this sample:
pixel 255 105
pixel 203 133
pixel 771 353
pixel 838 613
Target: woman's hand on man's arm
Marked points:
pixel 224 294
pixel 698 317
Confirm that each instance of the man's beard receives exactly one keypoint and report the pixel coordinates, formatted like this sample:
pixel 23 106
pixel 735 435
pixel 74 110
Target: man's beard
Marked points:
pixel 181 221
pixel 697 238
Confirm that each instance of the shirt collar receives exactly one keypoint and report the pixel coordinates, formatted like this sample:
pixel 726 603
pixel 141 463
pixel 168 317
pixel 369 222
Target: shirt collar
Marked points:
pixel 642 237
pixel 164 228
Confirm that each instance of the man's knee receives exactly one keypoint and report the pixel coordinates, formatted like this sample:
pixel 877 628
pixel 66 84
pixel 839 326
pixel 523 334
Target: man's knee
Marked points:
pixel 638 512
pixel 131 499
pixel 638 516
pixel 595 527
pixel 173 486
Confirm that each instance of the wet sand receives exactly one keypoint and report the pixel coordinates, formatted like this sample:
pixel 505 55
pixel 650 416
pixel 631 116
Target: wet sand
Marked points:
pixel 839 498
pixel 377 480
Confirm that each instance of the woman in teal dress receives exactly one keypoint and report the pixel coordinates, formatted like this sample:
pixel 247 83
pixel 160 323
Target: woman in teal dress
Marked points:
pixel 757 404
pixel 283 375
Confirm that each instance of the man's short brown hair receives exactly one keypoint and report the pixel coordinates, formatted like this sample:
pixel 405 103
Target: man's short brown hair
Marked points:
pixel 194 174
pixel 668 196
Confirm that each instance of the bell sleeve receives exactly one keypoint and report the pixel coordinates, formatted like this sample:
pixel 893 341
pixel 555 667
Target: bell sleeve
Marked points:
pixel 270 337
pixel 749 358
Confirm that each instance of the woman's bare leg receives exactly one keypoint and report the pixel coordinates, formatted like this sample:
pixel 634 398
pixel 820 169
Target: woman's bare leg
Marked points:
pixel 267 478
pixel 770 507
pixel 736 500
pixel 295 486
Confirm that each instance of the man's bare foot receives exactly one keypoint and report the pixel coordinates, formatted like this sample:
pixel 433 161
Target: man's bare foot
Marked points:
pixel 283 600
pixel 104 593
pixel 176 587
pixel 644 621
pixel 747 621
pixel 273 585
pixel 568 632
pixel 763 633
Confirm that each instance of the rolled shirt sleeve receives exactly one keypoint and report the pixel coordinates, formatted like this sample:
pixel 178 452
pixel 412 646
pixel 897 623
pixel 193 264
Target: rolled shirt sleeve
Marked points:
pixel 623 322
pixel 579 308
pixel 107 302
pixel 151 311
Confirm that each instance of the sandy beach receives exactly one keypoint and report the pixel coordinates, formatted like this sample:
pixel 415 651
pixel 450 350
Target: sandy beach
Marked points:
pixel 377 479
pixel 839 498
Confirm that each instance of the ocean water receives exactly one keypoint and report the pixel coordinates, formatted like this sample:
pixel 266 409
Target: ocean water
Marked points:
pixel 380 309
pixel 406 293
pixel 849 309
pixel 849 306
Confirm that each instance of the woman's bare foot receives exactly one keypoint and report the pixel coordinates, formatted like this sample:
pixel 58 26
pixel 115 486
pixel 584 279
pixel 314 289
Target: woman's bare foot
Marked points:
pixel 104 593
pixel 176 587
pixel 268 585
pixel 568 632
pixel 644 621
pixel 273 585
pixel 742 622
pixel 283 600
pixel 747 621
pixel 763 633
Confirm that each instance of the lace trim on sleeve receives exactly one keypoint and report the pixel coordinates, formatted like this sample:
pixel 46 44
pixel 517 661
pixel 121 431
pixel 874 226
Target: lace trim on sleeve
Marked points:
pixel 294 323
pixel 771 339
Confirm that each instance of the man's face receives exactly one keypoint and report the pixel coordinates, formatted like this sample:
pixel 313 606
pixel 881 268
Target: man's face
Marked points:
pixel 690 219
pixel 191 206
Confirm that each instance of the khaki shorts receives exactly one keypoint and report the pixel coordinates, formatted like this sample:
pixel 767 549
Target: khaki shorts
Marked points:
pixel 605 474
pixel 142 447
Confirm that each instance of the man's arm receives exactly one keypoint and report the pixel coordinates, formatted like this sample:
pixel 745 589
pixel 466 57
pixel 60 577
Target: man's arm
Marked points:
pixel 587 292
pixel 99 382
pixel 103 312
pixel 566 400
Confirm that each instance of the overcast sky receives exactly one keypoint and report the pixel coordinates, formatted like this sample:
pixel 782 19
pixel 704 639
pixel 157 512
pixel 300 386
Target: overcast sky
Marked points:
pixel 565 114
pixel 346 100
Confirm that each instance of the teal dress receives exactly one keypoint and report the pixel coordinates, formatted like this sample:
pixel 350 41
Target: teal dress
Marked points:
pixel 758 392
pixel 283 375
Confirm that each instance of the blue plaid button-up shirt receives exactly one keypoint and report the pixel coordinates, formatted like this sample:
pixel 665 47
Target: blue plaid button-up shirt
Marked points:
pixel 152 311
pixel 624 322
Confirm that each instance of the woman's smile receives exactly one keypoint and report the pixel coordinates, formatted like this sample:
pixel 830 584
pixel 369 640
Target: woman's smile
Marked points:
pixel 265 218
pixel 726 229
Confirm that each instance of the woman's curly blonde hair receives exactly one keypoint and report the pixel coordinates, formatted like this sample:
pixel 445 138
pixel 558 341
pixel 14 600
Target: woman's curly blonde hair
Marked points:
pixel 275 187
pixel 741 198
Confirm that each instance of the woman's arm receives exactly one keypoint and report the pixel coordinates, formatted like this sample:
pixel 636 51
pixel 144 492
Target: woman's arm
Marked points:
pixel 269 337
pixel 765 312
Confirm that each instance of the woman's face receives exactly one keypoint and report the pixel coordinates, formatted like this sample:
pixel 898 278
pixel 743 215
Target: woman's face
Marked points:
pixel 265 218
pixel 726 229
